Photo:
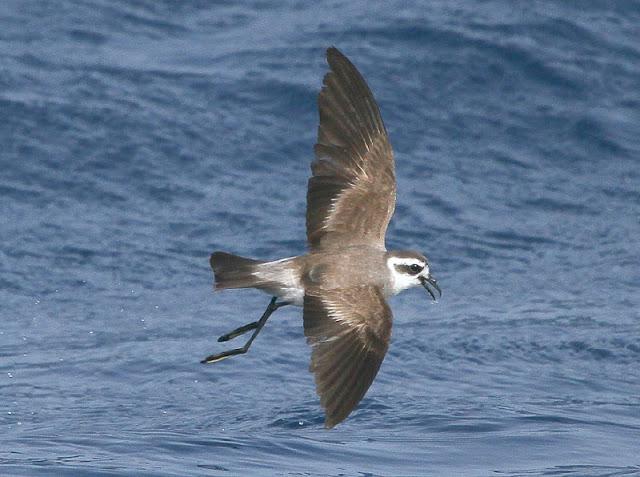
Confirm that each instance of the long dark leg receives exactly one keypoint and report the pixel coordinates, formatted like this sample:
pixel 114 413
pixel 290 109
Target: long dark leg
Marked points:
pixel 238 331
pixel 257 325
pixel 249 326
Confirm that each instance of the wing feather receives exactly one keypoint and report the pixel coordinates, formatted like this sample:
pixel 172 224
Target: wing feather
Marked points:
pixel 349 331
pixel 351 194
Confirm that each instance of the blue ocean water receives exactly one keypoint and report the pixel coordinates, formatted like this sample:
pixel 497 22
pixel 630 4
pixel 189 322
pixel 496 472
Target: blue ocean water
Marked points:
pixel 138 136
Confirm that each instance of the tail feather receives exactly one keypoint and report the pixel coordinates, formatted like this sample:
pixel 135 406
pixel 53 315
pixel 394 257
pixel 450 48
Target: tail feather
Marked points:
pixel 233 271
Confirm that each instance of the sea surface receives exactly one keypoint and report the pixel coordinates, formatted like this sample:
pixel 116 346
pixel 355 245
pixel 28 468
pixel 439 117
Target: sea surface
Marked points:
pixel 136 137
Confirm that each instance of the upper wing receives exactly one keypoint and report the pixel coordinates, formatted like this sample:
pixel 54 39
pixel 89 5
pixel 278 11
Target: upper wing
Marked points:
pixel 352 192
pixel 349 331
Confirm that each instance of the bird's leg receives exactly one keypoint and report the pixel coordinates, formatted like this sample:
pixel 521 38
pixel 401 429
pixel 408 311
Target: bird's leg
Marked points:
pixel 238 331
pixel 257 325
pixel 249 326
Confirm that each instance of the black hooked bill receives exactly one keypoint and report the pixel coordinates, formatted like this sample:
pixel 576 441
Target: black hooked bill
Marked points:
pixel 431 281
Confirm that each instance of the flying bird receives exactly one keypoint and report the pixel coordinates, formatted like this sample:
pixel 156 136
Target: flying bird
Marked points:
pixel 343 282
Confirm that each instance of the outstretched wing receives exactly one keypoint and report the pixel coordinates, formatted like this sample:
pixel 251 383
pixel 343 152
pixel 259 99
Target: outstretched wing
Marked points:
pixel 349 333
pixel 351 195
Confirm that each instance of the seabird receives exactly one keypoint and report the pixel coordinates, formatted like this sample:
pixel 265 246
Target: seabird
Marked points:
pixel 343 282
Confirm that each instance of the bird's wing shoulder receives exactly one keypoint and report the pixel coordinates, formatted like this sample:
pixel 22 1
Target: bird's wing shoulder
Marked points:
pixel 349 332
pixel 352 192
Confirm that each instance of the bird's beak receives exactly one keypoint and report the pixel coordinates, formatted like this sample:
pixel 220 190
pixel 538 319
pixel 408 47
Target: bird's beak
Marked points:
pixel 427 283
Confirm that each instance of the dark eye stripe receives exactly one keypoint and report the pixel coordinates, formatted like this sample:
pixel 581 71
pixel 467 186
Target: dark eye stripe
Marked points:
pixel 413 269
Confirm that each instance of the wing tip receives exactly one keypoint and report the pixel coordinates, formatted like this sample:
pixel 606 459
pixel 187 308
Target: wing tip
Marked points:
pixel 335 57
pixel 333 51
pixel 330 423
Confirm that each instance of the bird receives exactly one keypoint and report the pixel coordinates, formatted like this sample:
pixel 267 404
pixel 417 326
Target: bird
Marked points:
pixel 345 279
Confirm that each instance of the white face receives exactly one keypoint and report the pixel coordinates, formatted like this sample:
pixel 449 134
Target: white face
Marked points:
pixel 406 273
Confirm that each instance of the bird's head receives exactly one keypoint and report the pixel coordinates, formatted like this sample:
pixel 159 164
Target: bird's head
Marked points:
pixel 409 269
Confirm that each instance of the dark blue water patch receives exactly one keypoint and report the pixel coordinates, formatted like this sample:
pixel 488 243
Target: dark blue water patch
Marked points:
pixel 596 138
pixel 481 350
pixel 571 470
pixel 510 62
pixel 551 205
pixel 87 36
pixel 514 237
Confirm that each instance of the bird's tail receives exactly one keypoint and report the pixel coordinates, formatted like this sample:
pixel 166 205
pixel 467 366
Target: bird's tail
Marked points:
pixel 232 271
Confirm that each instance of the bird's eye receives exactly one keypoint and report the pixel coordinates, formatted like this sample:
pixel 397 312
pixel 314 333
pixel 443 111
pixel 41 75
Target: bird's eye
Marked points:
pixel 415 268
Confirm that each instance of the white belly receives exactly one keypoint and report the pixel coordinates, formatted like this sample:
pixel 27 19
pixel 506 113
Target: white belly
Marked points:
pixel 294 296
pixel 288 288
